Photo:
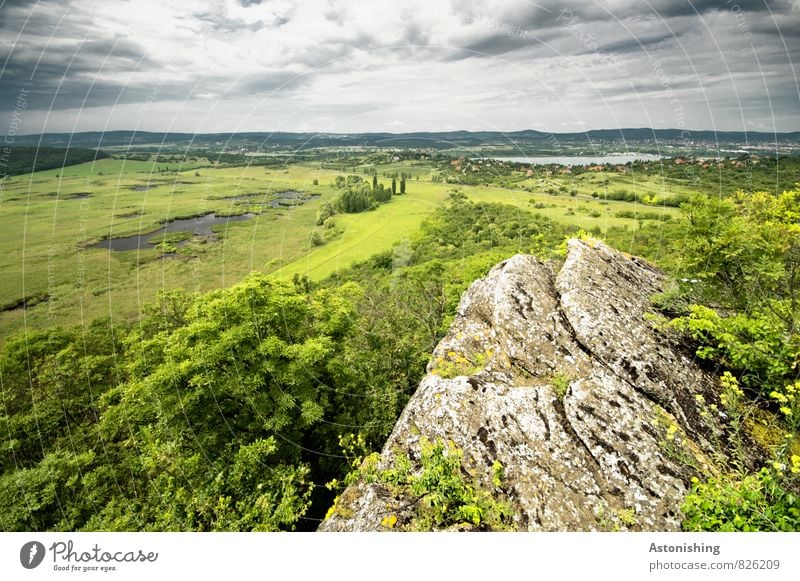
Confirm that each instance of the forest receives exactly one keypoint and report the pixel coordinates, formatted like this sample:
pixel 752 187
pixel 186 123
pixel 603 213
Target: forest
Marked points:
pixel 18 160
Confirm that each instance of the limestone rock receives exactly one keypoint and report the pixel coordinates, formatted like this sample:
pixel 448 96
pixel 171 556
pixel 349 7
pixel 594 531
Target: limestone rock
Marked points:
pixel 591 410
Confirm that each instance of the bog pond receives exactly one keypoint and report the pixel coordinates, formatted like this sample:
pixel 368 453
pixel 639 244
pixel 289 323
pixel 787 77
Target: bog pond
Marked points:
pixel 197 226
pixel 200 226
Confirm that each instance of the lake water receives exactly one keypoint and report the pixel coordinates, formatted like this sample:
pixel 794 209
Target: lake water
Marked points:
pixel 198 226
pixel 616 159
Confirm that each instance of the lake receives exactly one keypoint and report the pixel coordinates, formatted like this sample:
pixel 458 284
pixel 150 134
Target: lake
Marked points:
pixel 614 159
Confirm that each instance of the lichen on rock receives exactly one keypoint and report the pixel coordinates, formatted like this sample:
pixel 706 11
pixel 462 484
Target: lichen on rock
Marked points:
pixel 561 379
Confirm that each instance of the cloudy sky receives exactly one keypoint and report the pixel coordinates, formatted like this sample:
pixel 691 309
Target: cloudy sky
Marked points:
pixel 401 65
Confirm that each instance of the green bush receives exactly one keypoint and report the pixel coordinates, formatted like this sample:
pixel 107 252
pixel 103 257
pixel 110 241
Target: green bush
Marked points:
pixel 754 502
pixel 442 494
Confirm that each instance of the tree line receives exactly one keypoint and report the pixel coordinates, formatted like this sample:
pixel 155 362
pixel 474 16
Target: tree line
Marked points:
pixel 24 160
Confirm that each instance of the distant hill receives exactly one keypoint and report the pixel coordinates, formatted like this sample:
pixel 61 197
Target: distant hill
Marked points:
pixel 22 160
pixel 437 140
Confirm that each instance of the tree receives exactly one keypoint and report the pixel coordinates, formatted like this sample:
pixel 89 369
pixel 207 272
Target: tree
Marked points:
pixel 356 199
pixel 374 182
pixel 218 411
pixel 745 254
pixel 394 186
pixel 403 185
pixel 326 211
pixel 381 194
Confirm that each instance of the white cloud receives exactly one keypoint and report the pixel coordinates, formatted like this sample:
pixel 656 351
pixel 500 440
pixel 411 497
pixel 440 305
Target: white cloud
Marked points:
pixel 369 66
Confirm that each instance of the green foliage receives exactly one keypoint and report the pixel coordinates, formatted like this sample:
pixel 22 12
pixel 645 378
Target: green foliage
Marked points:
pixel 454 364
pixel 753 343
pixel 767 500
pixel 498 474
pixel 357 196
pixel 168 241
pixel 465 229
pixel 745 254
pixel 634 215
pixel 202 413
pixel 737 260
pixel 23 160
pixel 440 488
pixel 220 412
pixel 642 198
pixel 325 212
pixel 622 519
pixel 746 248
pixel 560 382
pixel 381 194
pixel 673 440
pixel 402 317
pixel 52 382
pixel 355 199
pixel 788 398
pixel 756 502
pixel 53 494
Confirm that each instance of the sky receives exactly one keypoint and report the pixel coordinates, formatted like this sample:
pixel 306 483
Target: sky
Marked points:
pixel 340 66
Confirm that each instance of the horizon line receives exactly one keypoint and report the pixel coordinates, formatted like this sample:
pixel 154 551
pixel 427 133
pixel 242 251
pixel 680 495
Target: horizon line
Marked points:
pixel 267 131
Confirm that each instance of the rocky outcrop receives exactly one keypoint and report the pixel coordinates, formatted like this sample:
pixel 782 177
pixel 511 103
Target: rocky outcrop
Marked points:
pixel 563 379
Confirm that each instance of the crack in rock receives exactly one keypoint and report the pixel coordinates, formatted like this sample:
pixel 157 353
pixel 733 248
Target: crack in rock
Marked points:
pixel 568 458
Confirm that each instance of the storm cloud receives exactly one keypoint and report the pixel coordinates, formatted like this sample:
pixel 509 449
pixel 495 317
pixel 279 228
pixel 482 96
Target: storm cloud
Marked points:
pixel 412 65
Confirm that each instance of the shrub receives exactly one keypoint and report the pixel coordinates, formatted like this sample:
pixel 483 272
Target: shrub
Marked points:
pixel 444 497
pixel 755 502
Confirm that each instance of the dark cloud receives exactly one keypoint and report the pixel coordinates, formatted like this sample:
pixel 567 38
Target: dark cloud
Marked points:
pixel 415 34
pixel 335 15
pixel 740 54
pixel 673 8
pixel 785 25
pixel 498 43
pixel 219 21
pixel 547 13
pixel 282 82
pixel 8 4
pixel 67 77
pixel 639 43
pixel 40 19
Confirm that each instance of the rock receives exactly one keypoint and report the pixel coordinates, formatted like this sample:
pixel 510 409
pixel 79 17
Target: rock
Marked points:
pixel 561 378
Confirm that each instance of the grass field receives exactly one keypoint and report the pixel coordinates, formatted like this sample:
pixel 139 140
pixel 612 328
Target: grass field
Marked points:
pixel 52 218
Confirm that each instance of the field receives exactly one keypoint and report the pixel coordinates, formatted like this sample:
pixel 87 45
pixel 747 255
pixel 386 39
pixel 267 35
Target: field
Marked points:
pixel 52 219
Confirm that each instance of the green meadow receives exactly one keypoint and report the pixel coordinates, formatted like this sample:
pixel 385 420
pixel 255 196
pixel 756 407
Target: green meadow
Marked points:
pixel 53 218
